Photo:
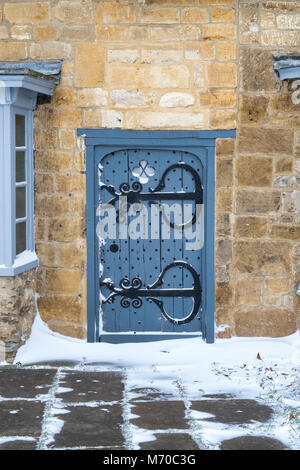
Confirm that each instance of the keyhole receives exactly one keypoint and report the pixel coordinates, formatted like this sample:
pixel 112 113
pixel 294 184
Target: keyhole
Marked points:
pixel 114 248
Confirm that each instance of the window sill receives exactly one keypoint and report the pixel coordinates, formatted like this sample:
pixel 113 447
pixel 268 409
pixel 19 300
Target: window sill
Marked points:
pixel 24 262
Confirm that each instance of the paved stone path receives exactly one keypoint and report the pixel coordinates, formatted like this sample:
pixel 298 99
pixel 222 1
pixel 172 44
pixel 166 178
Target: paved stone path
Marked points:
pixel 63 408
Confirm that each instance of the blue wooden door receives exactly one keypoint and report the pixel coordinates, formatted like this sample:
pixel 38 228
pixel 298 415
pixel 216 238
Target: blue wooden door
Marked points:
pixel 151 280
pixel 153 277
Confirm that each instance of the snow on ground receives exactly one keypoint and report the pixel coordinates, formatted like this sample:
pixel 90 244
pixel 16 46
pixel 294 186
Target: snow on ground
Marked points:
pixel 260 368
pixel 46 345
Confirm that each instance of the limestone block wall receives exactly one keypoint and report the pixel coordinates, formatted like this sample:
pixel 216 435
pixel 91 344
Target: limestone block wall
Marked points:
pixel 17 311
pixel 266 230
pixel 170 64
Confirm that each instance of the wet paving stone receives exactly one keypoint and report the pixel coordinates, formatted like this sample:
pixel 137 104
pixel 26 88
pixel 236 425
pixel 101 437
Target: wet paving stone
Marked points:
pixel 86 426
pixel 170 441
pixel 252 443
pixel 109 448
pixel 232 411
pixel 21 418
pixel 18 445
pixel 91 386
pixel 55 364
pixel 25 383
pixel 148 394
pixel 159 415
pixel 219 396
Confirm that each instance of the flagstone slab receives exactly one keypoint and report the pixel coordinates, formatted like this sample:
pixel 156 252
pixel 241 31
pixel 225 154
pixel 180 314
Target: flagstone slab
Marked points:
pixel 87 426
pixel 21 418
pixel 233 411
pixel 170 441
pixel 91 386
pixel 18 445
pixel 160 415
pixel 252 443
pixel 25 383
pixel 149 394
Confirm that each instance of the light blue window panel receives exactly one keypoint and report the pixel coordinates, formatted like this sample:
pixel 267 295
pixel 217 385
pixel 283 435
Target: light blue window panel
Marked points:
pixel 19 87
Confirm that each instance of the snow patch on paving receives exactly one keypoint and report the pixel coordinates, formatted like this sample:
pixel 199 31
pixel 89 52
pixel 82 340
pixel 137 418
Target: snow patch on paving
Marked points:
pixel 5 439
pixel 63 390
pixel 51 425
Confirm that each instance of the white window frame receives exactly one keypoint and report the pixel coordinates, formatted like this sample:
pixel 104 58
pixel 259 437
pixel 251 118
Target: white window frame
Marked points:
pixel 28 183
pixel 18 94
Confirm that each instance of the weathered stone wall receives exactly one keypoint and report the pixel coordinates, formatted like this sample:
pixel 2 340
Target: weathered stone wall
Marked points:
pixel 266 230
pixel 17 310
pixel 139 65
pixel 170 64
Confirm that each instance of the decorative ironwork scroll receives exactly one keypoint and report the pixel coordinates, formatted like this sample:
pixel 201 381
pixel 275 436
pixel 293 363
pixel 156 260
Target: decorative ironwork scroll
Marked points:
pixel 135 194
pixel 133 292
